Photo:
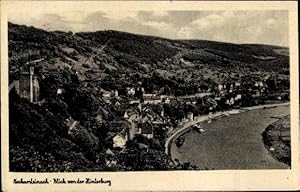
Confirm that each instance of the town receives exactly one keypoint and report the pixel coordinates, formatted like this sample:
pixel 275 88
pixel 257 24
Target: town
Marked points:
pixel 116 101
pixel 150 117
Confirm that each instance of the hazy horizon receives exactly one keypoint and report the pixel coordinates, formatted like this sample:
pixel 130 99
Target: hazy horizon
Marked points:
pixel 269 27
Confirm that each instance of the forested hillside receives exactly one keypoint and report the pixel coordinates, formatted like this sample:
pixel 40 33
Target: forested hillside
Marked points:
pixel 127 58
pixel 85 64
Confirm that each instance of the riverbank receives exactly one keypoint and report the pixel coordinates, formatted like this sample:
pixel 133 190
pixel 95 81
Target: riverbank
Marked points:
pixel 277 139
pixel 201 118
pixel 231 141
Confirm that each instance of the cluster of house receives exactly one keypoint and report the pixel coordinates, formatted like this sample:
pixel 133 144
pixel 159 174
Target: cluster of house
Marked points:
pixel 257 88
pixel 228 93
pixel 137 121
pixel 228 87
pixel 108 94
pixel 232 92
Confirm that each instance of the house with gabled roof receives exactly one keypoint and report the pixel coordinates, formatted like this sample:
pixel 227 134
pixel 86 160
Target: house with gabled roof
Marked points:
pixel 118 125
pixel 119 140
pixel 145 129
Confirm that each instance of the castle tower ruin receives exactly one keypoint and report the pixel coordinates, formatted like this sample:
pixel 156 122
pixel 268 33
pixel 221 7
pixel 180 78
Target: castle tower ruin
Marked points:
pixel 28 86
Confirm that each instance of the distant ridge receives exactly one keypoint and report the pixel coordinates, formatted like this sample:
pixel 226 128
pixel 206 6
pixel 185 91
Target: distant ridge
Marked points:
pixel 176 63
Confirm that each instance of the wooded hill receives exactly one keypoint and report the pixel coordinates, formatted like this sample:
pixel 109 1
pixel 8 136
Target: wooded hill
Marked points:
pixel 83 63
pixel 121 59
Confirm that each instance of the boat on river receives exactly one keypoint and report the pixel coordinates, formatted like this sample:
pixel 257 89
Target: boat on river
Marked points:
pixel 209 117
pixel 180 141
pixel 231 143
pixel 199 128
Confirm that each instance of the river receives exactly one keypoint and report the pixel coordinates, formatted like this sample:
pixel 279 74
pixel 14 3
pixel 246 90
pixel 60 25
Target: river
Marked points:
pixel 231 142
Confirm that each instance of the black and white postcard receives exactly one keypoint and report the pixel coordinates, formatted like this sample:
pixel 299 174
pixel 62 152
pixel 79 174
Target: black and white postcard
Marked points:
pixel 108 95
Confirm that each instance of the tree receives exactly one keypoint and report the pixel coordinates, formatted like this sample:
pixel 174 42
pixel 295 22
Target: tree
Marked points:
pixel 135 158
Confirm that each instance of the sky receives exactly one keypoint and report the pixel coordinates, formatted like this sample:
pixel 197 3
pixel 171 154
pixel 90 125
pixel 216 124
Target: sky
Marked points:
pixel 235 26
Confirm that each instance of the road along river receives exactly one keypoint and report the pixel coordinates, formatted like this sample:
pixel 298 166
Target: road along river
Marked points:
pixel 230 142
